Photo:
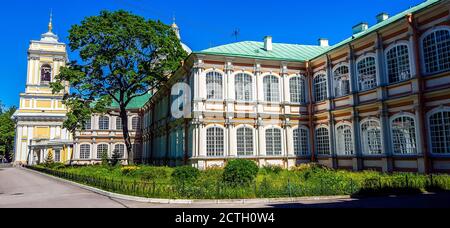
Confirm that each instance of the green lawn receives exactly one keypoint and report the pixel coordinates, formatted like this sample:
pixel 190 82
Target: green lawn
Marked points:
pixel 306 180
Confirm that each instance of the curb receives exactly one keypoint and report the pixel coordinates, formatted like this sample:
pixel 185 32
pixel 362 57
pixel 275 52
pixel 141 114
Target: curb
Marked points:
pixel 190 202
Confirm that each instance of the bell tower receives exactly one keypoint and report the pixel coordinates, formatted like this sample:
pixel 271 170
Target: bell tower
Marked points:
pixel 41 113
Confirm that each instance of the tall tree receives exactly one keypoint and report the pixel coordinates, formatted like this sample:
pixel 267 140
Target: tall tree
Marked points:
pixel 123 56
pixel 7 133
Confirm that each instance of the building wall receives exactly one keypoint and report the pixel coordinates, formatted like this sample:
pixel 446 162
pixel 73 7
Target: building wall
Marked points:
pixel 415 98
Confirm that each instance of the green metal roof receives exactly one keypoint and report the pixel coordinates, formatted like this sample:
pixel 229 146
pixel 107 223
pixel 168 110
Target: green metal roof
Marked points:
pixel 136 103
pixel 294 52
pixel 251 49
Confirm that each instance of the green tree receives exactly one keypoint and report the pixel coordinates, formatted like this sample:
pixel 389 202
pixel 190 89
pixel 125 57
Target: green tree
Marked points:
pixel 7 133
pixel 123 56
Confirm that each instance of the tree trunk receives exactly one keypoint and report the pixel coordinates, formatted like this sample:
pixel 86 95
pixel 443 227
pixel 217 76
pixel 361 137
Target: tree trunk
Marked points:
pixel 73 149
pixel 126 135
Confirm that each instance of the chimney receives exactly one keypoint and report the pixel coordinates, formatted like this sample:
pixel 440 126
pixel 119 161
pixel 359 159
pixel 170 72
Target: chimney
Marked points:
pixel 268 43
pixel 361 27
pixel 323 42
pixel 382 17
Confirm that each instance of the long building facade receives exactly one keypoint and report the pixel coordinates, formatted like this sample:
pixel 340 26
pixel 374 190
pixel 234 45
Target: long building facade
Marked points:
pixel 378 100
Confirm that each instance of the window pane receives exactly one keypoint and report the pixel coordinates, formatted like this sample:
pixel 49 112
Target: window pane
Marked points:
pixel 245 141
pixel 440 132
pixel 398 64
pixel 214 142
pixel 301 141
pixel 244 87
pixel 119 151
pixel 85 151
pixel 297 89
pixel 323 141
pixel 404 135
pixel 119 125
pixel 367 74
pixel 273 142
pixel 371 137
pixel 271 89
pixel 341 81
pixel 320 88
pixel 101 150
pixel 436 51
pixel 103 123
pixel 214 86
pixel 344 140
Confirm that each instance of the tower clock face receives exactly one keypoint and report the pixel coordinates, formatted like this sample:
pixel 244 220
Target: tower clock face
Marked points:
pixel 46 73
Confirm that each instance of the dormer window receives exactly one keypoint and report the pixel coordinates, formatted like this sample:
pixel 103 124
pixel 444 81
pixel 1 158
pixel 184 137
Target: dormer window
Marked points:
pixel 46 73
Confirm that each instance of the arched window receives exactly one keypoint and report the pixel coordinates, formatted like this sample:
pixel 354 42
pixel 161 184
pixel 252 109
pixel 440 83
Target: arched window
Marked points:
pixel 404 135
pixel 103 123
pixel 271 89
pixel 46 73
pixel 102 150
pixel 436 51
pixel 341 81
pixel 398 67
pixel 244 141
pixel 85 151
pixel 344 140
pixel 214 142
pixel 273 142
pixel 214 85
pixel 323 141
pixel 367 73
pixel 119 150
pixel 87 124
pixel 371 137
pixel 135 123
pixel 119 125
pixel 440 132
pixel 297 89
pixel 301 141
pixel 320 87
pixel 244 87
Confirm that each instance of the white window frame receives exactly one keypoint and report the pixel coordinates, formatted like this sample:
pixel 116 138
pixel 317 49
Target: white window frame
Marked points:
pixel 248 143
pixel 278 93
pixel 317 141
pixel 430 140
pixel 422 54
pixel 342 147
pixel 98 156
pixel 335 81
pixel 364 58
pixel 218 95
pixel 299 96
pixel 410 61
pixel 365 140
pixel 274 147
pixel 88 123
pixel 298 144
pixel 325 91
pixel 123 152
pixel 100 126
pixel 217 149
pixel 57 155
pixel 243 88
pixel 135 126
pixel 89 152
pixel 415 146
pixel 119 124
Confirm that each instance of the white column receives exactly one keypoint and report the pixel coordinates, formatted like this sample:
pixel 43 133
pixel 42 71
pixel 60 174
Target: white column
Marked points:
pixel 290 141
pixel 232 148
pixel 202 140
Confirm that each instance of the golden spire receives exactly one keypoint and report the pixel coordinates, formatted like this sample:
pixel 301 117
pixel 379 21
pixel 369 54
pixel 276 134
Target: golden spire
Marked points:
pixel 50 24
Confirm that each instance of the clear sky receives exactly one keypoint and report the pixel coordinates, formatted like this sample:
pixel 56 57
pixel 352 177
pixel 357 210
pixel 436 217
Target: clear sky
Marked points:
pixel 203 23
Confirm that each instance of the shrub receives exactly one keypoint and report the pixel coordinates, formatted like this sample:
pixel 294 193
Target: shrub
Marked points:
pixel 273 169
pixel 240 171
pixel 154 173
pixel 185 174
pixel 129 170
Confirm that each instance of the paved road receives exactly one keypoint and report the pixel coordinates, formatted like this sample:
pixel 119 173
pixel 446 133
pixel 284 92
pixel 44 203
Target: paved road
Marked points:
pixel 22 188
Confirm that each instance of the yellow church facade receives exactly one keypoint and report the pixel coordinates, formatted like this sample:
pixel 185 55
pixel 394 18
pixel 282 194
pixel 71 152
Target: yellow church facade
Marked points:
pixel 40 117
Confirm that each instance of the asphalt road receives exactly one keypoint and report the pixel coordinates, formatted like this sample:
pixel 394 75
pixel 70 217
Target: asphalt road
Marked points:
pixel 20 188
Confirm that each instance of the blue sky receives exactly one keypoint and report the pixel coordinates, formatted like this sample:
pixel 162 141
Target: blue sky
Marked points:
pixel 203 23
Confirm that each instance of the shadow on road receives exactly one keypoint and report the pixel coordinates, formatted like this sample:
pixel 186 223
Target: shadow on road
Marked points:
pixel 429 200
